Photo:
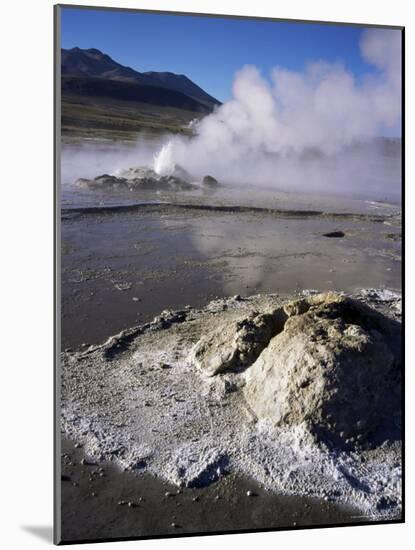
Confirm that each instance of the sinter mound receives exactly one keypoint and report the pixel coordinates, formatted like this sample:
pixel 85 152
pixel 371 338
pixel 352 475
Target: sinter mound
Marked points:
pixel 328 362
pixel 140 178
pixel 144 178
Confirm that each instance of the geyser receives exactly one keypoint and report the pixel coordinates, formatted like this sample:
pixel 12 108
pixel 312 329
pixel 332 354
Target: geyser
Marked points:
pixel 163 160
pixel 313 131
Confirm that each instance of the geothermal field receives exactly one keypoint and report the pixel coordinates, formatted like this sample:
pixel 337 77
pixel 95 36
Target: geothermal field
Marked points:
pixel 231 305
pixel 225 345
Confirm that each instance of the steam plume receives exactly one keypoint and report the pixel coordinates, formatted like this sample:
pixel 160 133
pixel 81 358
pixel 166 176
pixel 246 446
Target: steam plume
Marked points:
pixel 300 130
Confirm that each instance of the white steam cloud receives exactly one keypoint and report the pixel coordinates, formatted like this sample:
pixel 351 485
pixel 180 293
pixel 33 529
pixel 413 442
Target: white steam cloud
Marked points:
pixel 300 130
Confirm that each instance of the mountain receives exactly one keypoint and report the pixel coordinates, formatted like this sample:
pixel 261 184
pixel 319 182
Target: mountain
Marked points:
pixel 129 91
pixel 181 83
pixel 92 63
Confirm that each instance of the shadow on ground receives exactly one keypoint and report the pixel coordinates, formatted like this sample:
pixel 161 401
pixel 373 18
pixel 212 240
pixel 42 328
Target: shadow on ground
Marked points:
pixel 43 532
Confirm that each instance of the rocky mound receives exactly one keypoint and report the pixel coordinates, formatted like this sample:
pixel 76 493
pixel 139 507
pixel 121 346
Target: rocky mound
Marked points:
pixel 334 367
pixel 235 345
pixel 328 362
pixel 139 178
pixel 144 178
pixel 177 398
pixel 210 181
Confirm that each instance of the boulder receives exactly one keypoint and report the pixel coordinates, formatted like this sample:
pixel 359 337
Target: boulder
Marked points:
pixel 334 234
pixel 210 181
pixel 335 368
pixel 234 345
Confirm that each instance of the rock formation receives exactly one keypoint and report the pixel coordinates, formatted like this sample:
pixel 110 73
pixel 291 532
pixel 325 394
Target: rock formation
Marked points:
pixel 210 181
pixel 141 178
pixel 333 367
pixel 327 361
pixel 237 344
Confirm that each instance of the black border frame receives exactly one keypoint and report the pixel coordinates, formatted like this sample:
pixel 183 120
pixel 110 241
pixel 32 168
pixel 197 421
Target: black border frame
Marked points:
pixel 56 276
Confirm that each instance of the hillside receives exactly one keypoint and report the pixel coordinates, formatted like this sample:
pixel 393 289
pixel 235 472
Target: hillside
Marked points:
pixel 130 91
pixel 77 62
pixel 104 99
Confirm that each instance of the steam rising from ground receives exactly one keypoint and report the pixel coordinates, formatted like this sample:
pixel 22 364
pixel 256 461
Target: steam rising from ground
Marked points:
pixel 88 160
pixel 310 131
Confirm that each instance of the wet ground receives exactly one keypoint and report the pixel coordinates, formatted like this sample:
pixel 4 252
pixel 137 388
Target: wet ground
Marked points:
pixel 122 266
pixel 100 502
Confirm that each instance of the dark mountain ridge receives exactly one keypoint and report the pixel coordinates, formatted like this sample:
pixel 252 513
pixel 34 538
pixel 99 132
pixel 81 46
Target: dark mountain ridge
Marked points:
pixel 77 62
pixel 119 90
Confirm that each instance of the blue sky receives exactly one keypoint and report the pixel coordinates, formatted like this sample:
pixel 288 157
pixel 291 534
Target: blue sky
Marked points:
pixel 209 50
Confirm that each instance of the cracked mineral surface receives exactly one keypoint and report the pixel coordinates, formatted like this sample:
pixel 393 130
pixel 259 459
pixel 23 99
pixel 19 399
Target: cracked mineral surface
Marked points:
pixel 303 395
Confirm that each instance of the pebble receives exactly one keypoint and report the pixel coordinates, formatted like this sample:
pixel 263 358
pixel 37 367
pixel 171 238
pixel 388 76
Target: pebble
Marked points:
pixel 249 494
pixel 168 494
pixel 122 502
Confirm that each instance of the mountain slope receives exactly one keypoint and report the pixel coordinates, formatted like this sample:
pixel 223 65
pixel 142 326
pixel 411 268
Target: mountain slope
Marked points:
pixel 181 83
pixel 119 90
pixel 93 63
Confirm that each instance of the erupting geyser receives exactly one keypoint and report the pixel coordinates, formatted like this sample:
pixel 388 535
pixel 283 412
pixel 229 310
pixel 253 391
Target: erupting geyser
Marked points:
pixel 314 131
pixel 163 160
